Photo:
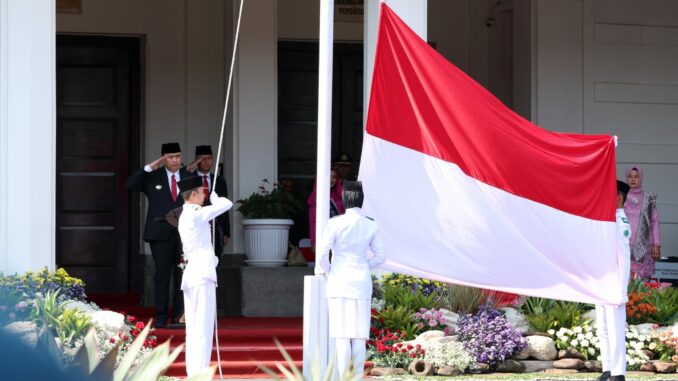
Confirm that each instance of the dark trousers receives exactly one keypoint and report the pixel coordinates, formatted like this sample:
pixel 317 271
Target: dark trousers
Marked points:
pixel 166 256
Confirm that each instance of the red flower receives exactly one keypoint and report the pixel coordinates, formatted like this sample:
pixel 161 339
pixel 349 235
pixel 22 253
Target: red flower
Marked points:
pixel 409 346
pixel 112 340
pixel 403 350
pixel 140 325
pixel 131 319
pixel 124 337
pixel 413 355
pixel 135 333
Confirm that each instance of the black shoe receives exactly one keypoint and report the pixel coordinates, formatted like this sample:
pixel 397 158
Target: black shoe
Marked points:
pixel 617 378
pixel 605 376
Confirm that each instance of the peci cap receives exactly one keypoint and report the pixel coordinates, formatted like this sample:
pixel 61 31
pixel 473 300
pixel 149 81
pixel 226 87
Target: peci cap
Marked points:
pixel 343 159
pixel 203 150
pixel 189 183
pixel 623 187
pixel 170 148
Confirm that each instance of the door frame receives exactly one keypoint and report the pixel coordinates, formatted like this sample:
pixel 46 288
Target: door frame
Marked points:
pixel 137 46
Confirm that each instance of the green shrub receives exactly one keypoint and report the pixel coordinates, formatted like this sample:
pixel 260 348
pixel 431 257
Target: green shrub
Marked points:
pixel 666 303
pixel 399 319
pixel 543 314
pixel 396 295
pixel 467 300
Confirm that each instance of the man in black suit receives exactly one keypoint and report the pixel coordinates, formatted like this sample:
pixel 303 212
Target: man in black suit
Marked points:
pixel 203 163
pixel 158 180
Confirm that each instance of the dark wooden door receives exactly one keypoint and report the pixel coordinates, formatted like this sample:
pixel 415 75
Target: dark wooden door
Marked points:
pixel 298 115
pixel 97 134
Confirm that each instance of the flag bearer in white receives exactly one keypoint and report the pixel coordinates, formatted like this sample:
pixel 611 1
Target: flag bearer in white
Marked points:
pixel 611 319
pixel 200 277
pixel 349 280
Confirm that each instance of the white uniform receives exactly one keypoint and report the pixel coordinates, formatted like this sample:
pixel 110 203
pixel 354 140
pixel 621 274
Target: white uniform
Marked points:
pixel 611 319
pixel 349 282
pixel 199 280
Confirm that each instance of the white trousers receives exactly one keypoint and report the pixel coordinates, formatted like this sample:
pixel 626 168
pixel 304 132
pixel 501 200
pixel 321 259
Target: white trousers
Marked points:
pixel 199 308
pixel 348 349
pixel 611 326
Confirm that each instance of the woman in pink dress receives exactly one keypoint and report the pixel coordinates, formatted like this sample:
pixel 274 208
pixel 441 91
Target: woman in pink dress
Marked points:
pixel 641 210
pixel 336 205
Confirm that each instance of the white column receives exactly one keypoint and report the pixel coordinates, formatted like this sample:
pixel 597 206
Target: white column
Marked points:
pixel 27 135
pixel 413 12
pixel 255 118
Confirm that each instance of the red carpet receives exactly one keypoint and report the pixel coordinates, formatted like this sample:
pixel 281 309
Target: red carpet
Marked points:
pixel 245 343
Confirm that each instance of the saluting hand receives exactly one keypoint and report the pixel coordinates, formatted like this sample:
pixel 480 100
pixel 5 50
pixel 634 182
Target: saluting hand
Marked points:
pixel 194 164
pixel 158 163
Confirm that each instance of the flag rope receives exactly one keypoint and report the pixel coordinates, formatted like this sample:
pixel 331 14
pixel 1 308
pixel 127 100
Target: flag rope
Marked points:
pixel 216 168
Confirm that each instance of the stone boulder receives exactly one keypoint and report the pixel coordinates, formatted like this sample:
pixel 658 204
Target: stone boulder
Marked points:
pixel 570 354
pixel 538 347
pixel 647 367
pixel 26 331
pixel 664 367
pixel 532 366
pixel 381 372
pixel 516 319
pixel 451 319
pixel 80 306
pixel 511 366
pixel 569 364
pixel 479 368
pixel 420 368
pixel 449 371
pixel 428 338
pixel 593 366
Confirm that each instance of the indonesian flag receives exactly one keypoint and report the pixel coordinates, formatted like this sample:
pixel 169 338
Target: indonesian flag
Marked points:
pixel 466 191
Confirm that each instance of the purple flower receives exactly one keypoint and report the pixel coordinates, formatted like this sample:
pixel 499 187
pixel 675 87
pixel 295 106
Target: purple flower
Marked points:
pixel 432 323
pixel 3 308
pixel 417 315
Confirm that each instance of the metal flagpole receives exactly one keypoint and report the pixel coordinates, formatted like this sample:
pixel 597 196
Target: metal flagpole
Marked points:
pixel 315 304
pixel 216 168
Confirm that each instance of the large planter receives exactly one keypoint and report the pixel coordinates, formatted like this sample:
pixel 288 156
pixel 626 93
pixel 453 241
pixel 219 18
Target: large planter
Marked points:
pixel 266 241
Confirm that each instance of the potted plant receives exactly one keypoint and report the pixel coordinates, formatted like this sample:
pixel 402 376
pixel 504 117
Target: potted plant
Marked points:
pixel 267 223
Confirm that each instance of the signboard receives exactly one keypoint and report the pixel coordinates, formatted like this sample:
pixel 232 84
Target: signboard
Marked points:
pixel 349 10
pixel 666 270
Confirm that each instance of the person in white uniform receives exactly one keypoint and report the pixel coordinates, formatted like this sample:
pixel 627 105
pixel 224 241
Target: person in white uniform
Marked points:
pixel 349 282
pixel 611 319
pixel 200 277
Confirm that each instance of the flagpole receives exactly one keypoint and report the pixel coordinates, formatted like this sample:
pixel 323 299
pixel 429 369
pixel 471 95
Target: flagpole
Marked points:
pixel 316 338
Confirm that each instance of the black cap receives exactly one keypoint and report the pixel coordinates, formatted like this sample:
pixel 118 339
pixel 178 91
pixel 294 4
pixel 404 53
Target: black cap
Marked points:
pixel 623 187
pixel 343 159
pixel 170 148
pixel 203 150
pixel 189 183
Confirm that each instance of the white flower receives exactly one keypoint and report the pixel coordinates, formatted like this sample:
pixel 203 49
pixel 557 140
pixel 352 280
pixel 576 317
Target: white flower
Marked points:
pixel 599 358
pixel 592 351
pixel 585 343
pixel 551 332
pixel 641 338
pixel 631 361
pixel 577 329
pixel 589 335
pixel 580 337
pixel 652 346
pixel 574 343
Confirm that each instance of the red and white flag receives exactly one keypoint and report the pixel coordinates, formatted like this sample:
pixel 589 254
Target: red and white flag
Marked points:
pixel 467 191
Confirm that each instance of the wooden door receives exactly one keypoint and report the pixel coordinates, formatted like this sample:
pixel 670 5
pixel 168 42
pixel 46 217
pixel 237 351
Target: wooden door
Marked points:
pixel 98 98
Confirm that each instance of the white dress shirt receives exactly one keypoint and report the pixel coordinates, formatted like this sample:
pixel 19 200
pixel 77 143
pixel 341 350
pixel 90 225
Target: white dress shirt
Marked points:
pixel 349 236
pixel 176 174
pixel 194 229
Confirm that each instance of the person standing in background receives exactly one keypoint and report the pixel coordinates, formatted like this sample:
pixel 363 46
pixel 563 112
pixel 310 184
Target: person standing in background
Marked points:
pixel 158 181
pixel 641 210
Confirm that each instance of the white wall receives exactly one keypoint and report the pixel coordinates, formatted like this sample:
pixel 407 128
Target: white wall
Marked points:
pixel 609 67
pixel 184 61
pixel 27 135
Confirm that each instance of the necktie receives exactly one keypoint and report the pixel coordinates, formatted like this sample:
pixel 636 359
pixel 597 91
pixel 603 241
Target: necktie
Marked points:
pixel 205 187
pixel 174 188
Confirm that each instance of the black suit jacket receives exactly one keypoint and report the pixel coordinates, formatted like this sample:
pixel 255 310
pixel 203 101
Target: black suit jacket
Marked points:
pixel 159 194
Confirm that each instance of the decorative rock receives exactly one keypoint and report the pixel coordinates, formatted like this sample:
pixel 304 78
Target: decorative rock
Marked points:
pixel 479 368
pixel 446 340
pixel 26 331
pixel 593 366
pixel 644 329
pixel 516 319
pixel 647 367
pixel 560 371
pixel 568 364
pixel 570 354
pixel 532 366
pixel 420 368
pixel 451 318
pixel 111 323
pixel 649 354
pixel 664 367
pixel 511 366
pixel 380 372
pixel 449 371
pixel 430 335
pixel 538 347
